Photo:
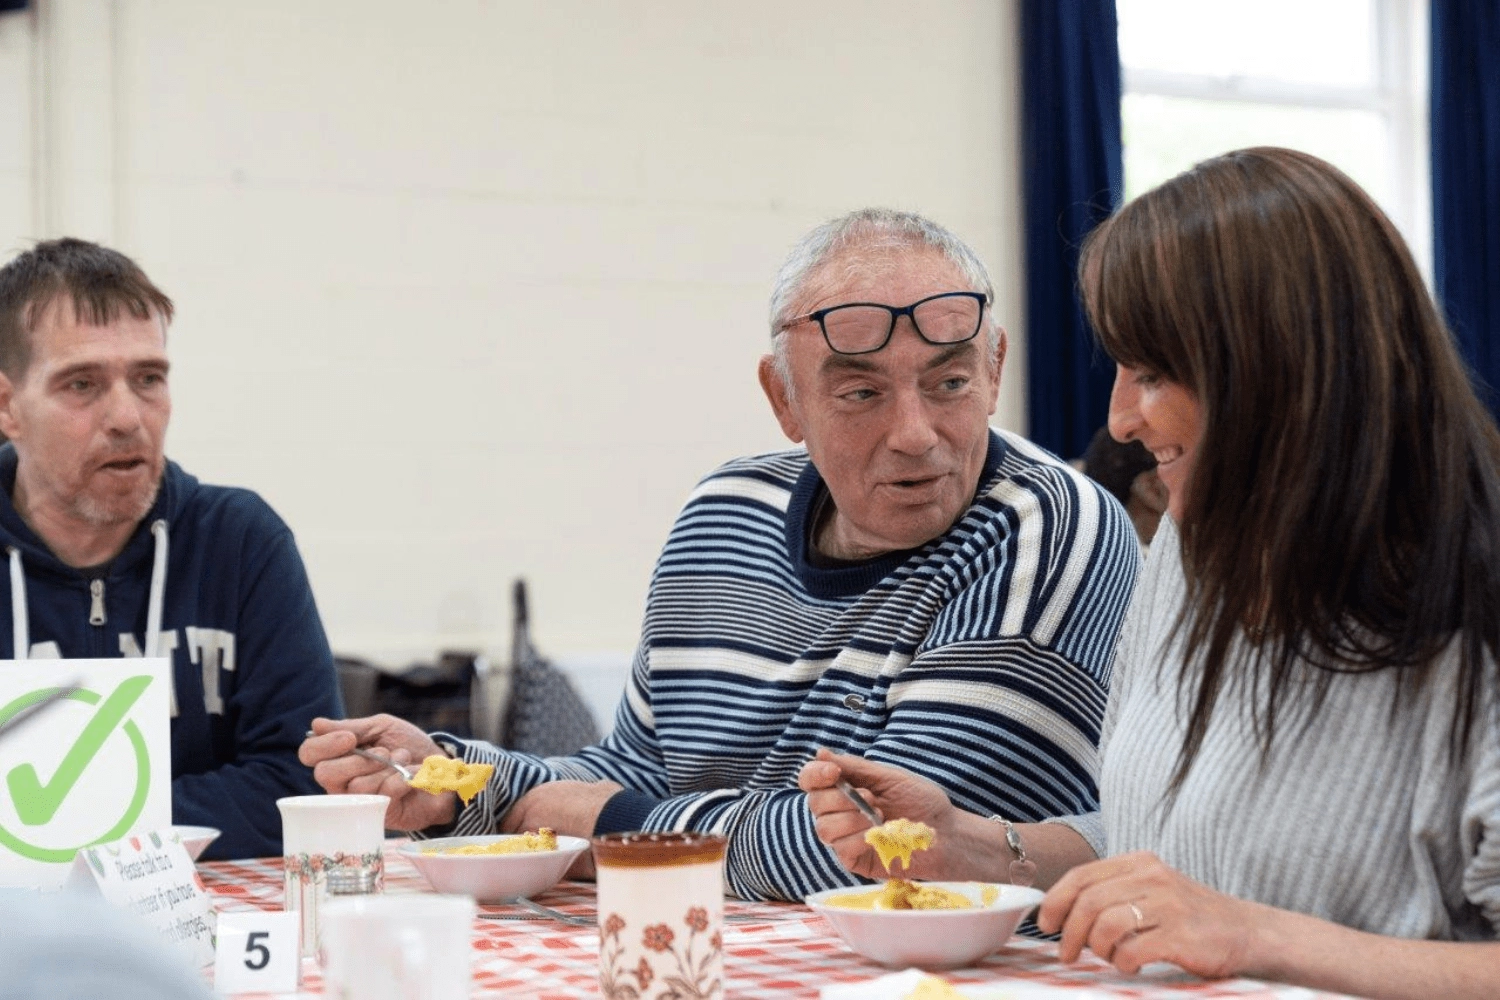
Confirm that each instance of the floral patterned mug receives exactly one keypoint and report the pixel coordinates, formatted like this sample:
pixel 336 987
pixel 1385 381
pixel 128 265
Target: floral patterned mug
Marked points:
pixel 661 915
pixel 331 846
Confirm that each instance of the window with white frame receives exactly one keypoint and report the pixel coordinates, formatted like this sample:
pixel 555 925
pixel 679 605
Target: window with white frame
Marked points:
pixel 1342 79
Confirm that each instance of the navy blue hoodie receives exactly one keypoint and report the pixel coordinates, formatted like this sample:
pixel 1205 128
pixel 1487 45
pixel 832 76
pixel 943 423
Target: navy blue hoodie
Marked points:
pixel 250 661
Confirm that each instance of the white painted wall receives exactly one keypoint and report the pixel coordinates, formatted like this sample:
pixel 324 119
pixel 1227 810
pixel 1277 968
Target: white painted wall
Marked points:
pixel 476 289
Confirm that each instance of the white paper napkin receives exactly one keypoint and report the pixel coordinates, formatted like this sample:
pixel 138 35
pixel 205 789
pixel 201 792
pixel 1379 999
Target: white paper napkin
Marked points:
pixel 892 987
pixel 898 985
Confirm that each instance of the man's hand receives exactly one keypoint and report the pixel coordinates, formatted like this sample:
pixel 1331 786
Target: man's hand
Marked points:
pixel 894 793
pixel 570 808
pixel 340 772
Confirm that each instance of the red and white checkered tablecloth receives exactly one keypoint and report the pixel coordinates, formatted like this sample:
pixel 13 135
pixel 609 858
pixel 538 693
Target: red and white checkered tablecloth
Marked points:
pixel 790 956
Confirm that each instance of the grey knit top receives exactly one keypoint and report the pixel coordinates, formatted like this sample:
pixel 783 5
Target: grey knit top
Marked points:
pixel 1358 817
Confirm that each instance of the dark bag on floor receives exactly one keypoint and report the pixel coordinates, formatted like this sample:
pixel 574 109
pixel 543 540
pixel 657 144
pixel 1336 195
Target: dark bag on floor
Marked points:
pixel 433 696
pixel 545 714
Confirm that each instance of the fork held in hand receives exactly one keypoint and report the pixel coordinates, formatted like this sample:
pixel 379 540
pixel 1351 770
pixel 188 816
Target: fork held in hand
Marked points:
pixel 404 770
pixel 865 809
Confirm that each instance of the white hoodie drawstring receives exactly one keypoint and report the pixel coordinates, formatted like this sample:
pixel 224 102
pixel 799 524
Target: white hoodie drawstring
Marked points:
pixel 20 628
pixel 158 585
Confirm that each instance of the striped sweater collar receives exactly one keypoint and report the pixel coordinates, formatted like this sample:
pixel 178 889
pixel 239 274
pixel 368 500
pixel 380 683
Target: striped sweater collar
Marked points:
pixel 853 579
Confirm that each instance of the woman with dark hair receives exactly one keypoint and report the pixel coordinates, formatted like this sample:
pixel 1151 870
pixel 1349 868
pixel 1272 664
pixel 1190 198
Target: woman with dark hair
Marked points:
pixel 1300 762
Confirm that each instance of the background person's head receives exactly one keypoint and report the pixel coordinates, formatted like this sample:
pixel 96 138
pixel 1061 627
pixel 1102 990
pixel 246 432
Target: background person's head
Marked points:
pixel 83 391
pixel 1128 471
pixel 1338 497
pixel 899 432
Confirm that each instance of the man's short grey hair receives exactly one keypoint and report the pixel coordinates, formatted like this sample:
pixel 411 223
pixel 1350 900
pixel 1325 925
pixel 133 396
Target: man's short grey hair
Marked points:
pixel 854 242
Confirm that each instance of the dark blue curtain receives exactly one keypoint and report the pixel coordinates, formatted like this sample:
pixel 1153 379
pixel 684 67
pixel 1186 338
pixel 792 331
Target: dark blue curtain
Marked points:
pixel 1073 178
pixel 1466 179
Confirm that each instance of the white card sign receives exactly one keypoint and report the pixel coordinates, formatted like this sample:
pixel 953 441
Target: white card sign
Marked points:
pixel 152 876
pixel 93 768
pixel 257 953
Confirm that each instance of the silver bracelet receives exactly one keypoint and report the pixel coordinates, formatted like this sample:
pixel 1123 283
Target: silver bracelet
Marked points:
pixel 1022 870
pixel 1012 838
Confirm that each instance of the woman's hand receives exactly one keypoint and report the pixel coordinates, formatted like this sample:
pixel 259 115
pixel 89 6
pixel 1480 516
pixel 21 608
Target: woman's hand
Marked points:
pixel 894 793
pixel 1133 909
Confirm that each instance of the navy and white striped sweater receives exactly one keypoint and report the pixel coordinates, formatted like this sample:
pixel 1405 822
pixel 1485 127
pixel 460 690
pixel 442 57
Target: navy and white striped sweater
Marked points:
pixel 980 660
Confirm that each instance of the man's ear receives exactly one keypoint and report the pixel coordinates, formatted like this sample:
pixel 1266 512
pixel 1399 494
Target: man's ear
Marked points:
pixel 8 425
pixel 997 366
pixel 777 392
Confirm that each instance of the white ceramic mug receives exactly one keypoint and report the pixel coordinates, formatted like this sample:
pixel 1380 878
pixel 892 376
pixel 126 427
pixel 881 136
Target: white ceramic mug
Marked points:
pixel 661 915
pixel 331 845
pixel 403 947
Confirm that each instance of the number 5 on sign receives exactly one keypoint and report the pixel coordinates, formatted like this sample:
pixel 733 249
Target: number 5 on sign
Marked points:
pixel 256 953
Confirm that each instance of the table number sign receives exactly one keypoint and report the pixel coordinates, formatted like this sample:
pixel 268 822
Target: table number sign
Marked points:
pixel 257 953
pixel 152 876
pixel 93 768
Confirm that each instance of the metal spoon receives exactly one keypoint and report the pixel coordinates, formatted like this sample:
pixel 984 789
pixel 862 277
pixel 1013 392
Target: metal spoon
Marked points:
pixel 865 809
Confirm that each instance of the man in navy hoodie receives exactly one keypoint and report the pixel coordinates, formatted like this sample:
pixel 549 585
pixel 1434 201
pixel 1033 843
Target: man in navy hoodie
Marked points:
pixel 115 551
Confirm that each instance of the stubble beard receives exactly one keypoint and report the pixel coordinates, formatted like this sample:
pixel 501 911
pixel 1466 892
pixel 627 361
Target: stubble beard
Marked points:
pixel 113 511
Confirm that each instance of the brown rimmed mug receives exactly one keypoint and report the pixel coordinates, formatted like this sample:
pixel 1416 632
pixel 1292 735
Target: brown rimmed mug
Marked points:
pixel 661 915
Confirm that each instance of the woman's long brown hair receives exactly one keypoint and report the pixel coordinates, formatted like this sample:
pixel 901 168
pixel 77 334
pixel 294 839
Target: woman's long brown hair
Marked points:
pixel 1344 505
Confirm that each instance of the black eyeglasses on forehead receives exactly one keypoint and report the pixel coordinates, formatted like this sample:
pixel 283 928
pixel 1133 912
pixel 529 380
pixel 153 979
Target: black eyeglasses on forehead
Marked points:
pixel 866 327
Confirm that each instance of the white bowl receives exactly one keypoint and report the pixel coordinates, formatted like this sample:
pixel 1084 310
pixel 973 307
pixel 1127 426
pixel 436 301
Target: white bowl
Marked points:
pixel 491 878
pixel 930 939
pixel 196 838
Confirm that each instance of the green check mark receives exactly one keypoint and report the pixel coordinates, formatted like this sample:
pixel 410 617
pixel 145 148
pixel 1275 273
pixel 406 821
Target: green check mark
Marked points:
pixel 37 803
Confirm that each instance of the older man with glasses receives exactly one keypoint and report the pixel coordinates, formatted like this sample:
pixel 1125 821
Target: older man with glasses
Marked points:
pixel 913 587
